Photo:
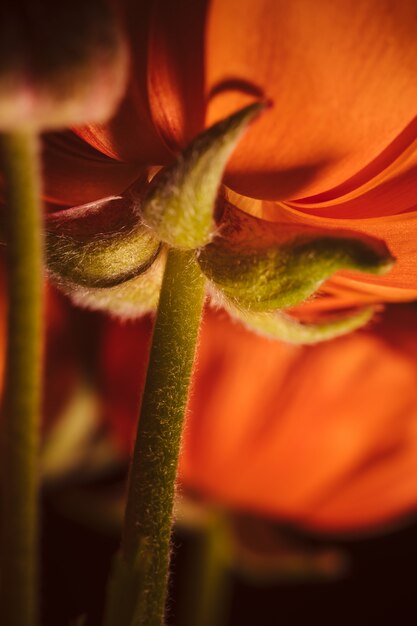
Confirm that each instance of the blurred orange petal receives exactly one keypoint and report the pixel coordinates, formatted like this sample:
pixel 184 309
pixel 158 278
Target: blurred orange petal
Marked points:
pixel 320 435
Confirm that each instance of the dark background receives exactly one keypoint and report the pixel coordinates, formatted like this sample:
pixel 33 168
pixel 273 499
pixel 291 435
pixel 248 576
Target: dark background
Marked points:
pixel 379 588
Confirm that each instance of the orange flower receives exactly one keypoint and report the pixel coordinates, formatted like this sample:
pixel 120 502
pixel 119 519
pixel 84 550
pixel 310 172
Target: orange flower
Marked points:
pixel 336 150
pixel 322 436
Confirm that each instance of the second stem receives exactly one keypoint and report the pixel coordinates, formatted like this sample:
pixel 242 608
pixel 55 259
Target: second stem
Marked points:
pixel 22 394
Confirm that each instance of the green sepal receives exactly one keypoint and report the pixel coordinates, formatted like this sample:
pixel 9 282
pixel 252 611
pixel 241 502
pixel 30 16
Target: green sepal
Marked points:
pixel 180 203
pixel 128 300
pixel 260 267
pixel 99 245
pixel 278 325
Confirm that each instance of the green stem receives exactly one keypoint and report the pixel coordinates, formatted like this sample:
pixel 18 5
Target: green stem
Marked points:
pixel 19 538
pixel 138 593
pixel 208 579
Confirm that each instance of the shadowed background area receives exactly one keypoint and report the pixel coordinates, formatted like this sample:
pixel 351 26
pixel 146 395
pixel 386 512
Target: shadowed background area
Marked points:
pixel 378 589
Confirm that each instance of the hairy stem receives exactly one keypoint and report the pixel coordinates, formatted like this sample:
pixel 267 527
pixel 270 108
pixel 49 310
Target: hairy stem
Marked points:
pixel 138 592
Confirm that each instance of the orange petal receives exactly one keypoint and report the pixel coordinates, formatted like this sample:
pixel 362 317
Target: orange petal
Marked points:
pixel 341 78
pixel 132 135
pixel 165 105
pixel 387 186
pixel 176 70
pixel 391 470
pixel 76 174
pixel 282 443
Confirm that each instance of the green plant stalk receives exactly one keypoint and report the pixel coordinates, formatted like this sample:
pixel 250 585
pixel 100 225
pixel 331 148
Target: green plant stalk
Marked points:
pixel 138 591
pixel 208 581
pixel 19 495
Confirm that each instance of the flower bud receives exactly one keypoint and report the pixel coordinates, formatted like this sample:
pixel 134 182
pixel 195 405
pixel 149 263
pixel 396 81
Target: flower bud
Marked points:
pixel 61 63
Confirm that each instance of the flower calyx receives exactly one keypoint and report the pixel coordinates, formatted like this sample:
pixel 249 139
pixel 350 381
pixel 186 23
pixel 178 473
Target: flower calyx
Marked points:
pixel 179 205
pixel 261 267
pixel 101 244
pixel 104 257
pixel 257 269
pixel 110 254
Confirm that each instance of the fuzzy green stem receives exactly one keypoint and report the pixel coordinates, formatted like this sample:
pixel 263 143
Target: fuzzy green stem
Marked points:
pixel 147 529
pixel 19 520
